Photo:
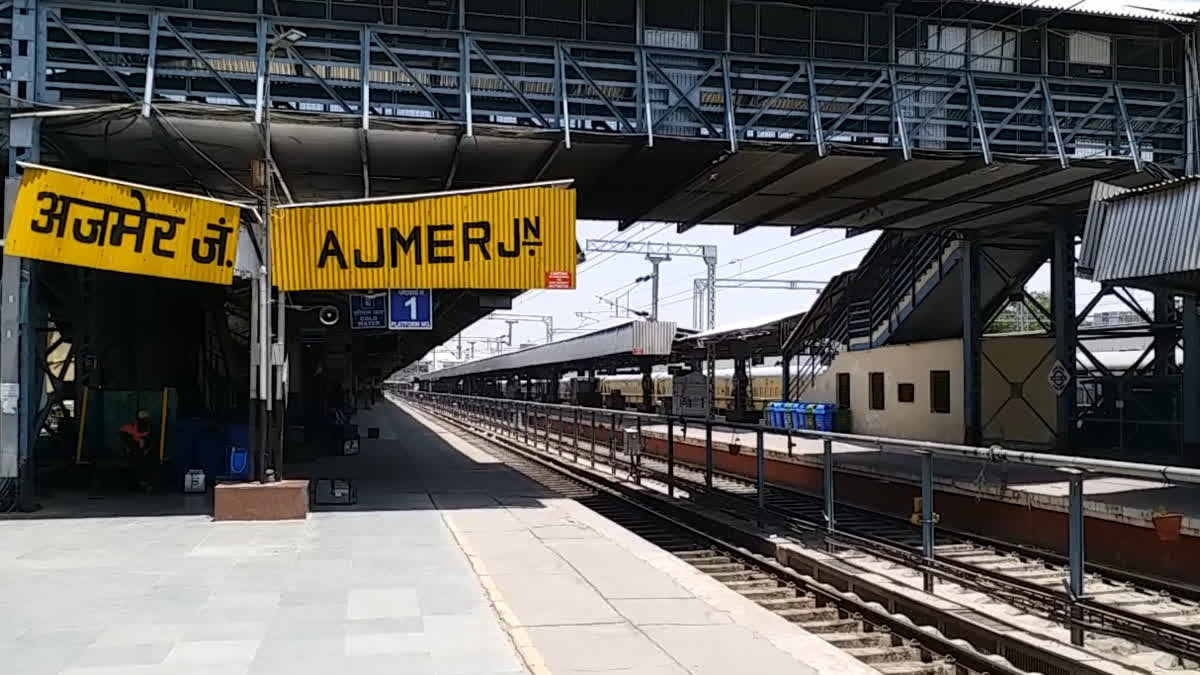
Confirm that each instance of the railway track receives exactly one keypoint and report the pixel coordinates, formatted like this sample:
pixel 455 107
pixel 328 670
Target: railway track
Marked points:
pixel 1141 619
pixel 888 644
pixel 1126 621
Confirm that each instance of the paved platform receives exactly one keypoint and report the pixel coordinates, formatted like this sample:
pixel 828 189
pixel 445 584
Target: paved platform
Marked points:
pixel 450 564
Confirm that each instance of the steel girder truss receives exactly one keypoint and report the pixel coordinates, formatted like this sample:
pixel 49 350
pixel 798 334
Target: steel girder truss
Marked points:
pixel 104 52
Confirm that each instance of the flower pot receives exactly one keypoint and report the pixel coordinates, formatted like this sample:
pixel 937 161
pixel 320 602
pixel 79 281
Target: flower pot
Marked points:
pixel 1167 526
pixel 735 449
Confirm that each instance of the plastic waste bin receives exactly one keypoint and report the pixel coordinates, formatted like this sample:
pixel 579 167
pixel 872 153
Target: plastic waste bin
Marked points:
pixel 789 415
pixel 818 414
pixel 824 416
pixel 775 414
pixel 810 416
pixel 841 419
pixel 798 415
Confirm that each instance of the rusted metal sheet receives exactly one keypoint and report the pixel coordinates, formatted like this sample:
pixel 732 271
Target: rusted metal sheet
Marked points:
pixel 514 237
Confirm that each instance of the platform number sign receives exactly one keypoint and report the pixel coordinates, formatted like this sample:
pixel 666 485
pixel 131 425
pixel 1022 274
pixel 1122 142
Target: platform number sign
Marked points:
pixel 1059 378
pixel 410 309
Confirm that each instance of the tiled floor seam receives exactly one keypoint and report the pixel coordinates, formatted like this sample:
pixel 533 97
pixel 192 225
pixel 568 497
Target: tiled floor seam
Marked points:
pixel 600 594
pixel 521 641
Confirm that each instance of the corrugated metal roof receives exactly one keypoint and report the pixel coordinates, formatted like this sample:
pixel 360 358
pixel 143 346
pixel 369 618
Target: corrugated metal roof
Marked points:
pixel 1119 193
pixel 1093 227
pixel 749 325
pixel 632 339
pixel 1146 234
pixel 1151 10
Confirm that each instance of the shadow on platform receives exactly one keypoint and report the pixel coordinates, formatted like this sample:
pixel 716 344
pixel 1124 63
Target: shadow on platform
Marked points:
pixel 409 467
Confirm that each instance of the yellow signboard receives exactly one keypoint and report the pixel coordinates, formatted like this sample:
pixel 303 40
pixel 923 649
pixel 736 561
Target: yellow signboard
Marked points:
pixel 88 221
pixel 519 237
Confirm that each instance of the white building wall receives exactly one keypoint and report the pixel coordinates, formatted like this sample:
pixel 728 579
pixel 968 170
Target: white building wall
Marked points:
pixel 1008 418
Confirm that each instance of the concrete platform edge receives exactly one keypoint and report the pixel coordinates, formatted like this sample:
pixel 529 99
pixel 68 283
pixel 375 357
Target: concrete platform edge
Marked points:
pixel 784 635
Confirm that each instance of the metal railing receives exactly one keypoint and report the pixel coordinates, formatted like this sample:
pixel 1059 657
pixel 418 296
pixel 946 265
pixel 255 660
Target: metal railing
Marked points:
pixel 535 423
pixel 920 254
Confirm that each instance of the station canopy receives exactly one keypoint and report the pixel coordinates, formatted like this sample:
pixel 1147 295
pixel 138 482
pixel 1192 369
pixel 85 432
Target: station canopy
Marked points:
pixel 627 344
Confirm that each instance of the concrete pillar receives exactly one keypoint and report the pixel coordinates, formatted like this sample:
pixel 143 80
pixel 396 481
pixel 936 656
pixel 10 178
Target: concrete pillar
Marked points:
pixel 972 331
pixel 1191 380
pixel 1062 304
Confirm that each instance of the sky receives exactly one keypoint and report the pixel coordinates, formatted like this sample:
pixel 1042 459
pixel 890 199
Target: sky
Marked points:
pixel 761 253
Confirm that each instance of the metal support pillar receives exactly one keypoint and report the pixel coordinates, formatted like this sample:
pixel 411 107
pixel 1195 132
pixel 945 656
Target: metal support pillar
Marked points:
pixel 740 387
pixel 1191 378
pixel 972 331
pixel 655 261
pixel 575 439
pixel 827 466
pixel 647 386
pixel 18 369
pixel 635 455
pixel 927 533
pixel 1062 304
pixel 760 474
pixel 786 379
pixel 1075 553
pixel 612 444
pixel 708 458
pixel 1164 333
pixel 670 457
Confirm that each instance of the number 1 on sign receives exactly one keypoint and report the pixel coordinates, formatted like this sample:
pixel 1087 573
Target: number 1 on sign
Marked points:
pixel 411 304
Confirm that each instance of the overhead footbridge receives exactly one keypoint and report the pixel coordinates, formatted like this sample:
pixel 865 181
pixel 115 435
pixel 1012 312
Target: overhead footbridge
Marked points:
pixel 985 122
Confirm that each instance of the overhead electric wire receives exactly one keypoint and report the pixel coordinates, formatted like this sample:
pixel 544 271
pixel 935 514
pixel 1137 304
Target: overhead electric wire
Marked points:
pixel 661 304
pixel 773 262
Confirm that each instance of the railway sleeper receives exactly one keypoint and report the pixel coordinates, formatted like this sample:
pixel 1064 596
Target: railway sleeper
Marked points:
pixel 752 584
pixel 825 626
pixel 709 568
pixel 893 654
pixel 743 575
pixel 783 604
pixel 776 593
pixel 802 615
pixel 914 668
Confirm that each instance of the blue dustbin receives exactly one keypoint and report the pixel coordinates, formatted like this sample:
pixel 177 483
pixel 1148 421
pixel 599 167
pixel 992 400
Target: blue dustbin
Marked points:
pixel 789 415
pixel 827 416
pixel 799 421
pixel 773 414
pixel 819 418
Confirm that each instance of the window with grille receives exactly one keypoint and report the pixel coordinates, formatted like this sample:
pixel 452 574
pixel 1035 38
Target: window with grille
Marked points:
pixel 843 389
pixel 939 391
pixel 877 394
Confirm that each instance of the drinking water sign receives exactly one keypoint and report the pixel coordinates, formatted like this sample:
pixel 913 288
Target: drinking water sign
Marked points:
pixel 410 309
pixel 368 310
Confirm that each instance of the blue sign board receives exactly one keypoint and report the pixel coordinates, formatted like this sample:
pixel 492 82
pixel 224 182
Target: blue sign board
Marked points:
pixel 410 309
pixel 368 311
